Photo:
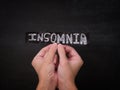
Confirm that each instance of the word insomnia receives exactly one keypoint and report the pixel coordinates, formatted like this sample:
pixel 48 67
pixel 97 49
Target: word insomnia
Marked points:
pixel 64 38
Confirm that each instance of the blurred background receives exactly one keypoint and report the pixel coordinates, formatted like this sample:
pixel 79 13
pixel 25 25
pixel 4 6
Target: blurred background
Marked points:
pixel 99 18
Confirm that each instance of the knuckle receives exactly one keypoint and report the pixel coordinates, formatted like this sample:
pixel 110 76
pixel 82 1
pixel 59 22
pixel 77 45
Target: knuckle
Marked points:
pixel 81 62
pixel 33 62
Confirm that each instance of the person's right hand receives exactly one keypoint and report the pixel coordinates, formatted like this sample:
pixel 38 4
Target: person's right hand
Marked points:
pixel 69 65
pixel 44 65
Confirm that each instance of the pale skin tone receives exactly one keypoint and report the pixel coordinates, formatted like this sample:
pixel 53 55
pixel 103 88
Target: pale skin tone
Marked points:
pixel 57 70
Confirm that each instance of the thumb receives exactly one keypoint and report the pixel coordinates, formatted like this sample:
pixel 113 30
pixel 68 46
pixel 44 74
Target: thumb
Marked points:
pixel 62 53
pixel 51 53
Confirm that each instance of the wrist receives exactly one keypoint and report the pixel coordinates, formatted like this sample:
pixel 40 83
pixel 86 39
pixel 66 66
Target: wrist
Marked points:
pixel 67 86
pixel 45 85
pixel 42 86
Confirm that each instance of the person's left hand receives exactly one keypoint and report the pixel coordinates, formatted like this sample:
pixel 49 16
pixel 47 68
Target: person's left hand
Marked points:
pixel 44 65
pixel 69 64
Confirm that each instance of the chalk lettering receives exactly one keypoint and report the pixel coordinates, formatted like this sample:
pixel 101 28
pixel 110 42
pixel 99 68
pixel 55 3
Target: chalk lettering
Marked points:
pixel 64 38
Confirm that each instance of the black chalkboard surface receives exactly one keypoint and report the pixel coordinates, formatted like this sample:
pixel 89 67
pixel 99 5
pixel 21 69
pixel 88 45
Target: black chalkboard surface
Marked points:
pixel 99 18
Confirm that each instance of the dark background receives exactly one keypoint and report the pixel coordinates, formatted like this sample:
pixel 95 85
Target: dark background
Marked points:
pixel 99 18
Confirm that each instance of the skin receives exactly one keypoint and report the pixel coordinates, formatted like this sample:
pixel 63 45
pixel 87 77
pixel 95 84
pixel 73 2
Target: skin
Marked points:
pixel 68 67
pixel 57 70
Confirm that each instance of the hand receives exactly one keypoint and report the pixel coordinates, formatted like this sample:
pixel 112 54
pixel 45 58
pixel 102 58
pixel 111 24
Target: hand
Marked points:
pixel 44 65
pixel 69 65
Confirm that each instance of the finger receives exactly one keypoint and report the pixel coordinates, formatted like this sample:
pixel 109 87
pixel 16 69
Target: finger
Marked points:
pixel 74 55
pixel 43 51
pixel 56 62
pixel 51 53
pixel 36 62
pixel 71 51
pixel 62 53
pixel 55 59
